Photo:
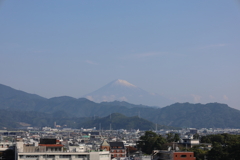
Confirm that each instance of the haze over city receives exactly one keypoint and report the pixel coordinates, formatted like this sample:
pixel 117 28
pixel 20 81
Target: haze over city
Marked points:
pixel 187 51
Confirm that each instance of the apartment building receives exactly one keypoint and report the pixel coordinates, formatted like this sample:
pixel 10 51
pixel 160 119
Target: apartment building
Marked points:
pixel 51 149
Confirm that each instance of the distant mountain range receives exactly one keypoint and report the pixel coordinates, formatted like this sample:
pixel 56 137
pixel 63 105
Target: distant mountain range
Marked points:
pixel 122 90
pixel 211 115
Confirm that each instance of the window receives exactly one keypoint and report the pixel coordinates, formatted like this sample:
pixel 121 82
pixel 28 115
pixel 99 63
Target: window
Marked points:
pixel 104 155
pixel 31 156
pixel 80 156
pixel 64 156
pixel 183 155
pixel 48 156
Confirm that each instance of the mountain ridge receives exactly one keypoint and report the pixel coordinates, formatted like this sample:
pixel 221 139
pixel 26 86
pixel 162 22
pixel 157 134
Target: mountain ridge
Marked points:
pixel 7 92
pixel 210 115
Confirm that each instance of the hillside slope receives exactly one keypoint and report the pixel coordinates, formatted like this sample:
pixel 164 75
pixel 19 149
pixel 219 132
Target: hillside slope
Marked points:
pixel 211 115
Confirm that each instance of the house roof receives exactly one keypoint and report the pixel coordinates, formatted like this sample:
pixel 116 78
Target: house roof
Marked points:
pixel 91 133
pixel 105 143
pixel 116 144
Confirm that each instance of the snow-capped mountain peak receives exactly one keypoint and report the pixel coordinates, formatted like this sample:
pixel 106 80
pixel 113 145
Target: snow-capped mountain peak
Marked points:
pixel 122 83
pixel 122 90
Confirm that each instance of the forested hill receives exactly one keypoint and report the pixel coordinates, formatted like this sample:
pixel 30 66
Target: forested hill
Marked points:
pixel 211 115
pixel 16 119
pixel 119 121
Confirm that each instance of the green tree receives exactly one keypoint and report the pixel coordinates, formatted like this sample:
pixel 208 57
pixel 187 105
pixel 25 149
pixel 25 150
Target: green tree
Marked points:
pixel 224 146
pixel 170 137
pixel 234 150
pixel 176 137
pixel 196 136
pixel 199 151
pixel 218 152
pixel 151 141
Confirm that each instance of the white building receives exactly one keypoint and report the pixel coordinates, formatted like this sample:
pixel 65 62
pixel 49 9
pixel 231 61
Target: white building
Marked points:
pixel 24 152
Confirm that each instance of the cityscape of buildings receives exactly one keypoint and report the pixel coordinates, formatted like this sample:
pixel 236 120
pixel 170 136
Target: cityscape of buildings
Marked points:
pixel 90 144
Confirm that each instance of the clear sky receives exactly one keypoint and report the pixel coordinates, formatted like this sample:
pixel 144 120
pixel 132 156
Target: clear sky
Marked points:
pixel 186 50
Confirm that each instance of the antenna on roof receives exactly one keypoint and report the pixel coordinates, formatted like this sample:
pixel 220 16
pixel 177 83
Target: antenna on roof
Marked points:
pixel 177 148
pixel 169 148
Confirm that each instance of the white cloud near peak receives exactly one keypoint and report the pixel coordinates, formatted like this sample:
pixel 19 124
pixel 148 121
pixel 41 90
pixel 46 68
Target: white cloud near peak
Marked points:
pixel 90 98
pixel 196 98
pixel 225 97
pixel 211 97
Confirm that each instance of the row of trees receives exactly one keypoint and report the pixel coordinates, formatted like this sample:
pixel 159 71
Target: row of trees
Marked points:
pixel 224 146
pixel 152 141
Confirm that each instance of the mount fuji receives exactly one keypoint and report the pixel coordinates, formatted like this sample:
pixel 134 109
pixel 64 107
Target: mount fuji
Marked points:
pixel 122 90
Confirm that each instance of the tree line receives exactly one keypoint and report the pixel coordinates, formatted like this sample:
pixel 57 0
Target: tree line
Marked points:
pixel 224 146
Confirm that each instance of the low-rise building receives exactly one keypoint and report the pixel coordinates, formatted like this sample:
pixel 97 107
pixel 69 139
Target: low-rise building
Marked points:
pixel 188 142
pixel 172 155
pixel 56 152
pixel 117 149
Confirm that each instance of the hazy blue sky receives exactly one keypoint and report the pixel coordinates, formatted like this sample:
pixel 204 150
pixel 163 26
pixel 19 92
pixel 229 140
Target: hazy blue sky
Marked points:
pixel 186 50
